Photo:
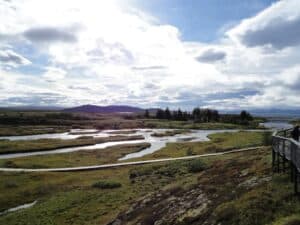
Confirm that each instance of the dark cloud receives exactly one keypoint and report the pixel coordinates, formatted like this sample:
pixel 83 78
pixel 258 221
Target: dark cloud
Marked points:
pixel 279 33
pixel 11 58
pixel 211 55
pixel 242 93
pixel 50 34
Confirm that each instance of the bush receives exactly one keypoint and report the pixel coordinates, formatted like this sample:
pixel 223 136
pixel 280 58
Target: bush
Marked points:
pixel 226 213
pixel 196 166
pixel 189 152
pixel 9 164
pixel 106 184
pixel 293 222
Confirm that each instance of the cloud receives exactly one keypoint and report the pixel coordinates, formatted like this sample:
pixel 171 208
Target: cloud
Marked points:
pixel 279 33
pixel 277 27
pixel 158 67
pixel 38 99
pixel 11 58
pixel 126 56
pixel 211 56
pixel 49 34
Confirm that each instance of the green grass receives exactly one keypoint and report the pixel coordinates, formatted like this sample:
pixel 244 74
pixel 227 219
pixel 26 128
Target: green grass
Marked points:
pixel 241 188
pixel 7 146
pixel 218 142
pixel 107 184
pixel 78 158
pixel 170 133
pixel 155 123
pixel 31 130
pixel 70 198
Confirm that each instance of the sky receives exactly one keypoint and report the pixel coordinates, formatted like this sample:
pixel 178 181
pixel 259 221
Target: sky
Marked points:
pixel 223 54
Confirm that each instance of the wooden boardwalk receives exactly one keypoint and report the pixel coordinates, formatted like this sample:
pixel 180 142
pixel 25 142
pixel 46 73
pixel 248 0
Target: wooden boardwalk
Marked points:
pixel 286 156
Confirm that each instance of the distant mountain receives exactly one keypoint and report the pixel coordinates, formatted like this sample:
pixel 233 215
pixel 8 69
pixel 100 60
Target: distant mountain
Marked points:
pixel 105 109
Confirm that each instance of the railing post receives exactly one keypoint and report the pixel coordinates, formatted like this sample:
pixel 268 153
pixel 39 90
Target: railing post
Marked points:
pixel 292 171
pixel 278 163
pixel 273 158
pixel 296 182
pixel 283 155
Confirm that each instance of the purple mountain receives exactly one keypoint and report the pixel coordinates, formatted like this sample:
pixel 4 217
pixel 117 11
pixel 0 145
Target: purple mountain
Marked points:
pixel 105 109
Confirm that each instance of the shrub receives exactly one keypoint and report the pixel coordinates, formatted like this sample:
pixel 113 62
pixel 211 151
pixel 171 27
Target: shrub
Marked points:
pixel 106 184
pixel 10 184
pixel 226 213
pixel 196 166
pixel 293 222
pixel 9 164
pixel 189 152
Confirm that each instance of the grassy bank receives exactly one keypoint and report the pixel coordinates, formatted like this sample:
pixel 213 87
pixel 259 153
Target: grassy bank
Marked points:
pixel 7 146
pixel 218 142
pixel 169 133
pixel 31 130
pixel 79 158
pixel 233 189
pixel 155 123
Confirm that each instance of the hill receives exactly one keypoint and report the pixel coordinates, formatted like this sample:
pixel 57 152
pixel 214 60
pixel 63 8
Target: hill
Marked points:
pixel 105 109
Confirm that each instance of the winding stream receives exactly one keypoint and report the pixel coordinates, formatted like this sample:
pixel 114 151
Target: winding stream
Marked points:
pixel 156 142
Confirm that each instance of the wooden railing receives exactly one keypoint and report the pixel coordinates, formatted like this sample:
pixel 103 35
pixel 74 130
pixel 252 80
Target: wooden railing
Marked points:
pixel 286 155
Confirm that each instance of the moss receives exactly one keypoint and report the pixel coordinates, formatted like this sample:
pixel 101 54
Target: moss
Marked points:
pixel 289 220
pixel 226 213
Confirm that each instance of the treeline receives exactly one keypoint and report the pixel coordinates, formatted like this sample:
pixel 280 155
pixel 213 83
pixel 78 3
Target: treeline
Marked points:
pixel 201 116
pixel 40 118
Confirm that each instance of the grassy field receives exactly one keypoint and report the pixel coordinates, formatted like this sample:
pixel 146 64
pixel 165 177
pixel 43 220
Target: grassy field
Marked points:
pixel 79 158
pixel 7 146
pixel 236 189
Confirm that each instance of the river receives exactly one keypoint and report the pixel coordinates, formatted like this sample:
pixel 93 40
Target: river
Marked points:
pixel 156 142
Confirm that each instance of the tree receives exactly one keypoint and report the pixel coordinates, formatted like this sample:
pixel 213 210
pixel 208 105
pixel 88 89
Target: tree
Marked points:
pixel 179 114
pixel 245 116
pixel 168 115
pixel 196 114
pixel 160 114
pixel 185 116
pixel 147 115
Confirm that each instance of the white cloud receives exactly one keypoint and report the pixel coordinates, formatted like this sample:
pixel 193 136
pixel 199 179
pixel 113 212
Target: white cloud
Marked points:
pixel 10 58
pixel 108 52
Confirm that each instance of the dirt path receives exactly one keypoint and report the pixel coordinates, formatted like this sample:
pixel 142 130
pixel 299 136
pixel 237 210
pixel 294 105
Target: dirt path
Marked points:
pixel 112 165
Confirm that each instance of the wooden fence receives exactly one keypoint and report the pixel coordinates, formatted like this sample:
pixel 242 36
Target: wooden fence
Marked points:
pixel 286 156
